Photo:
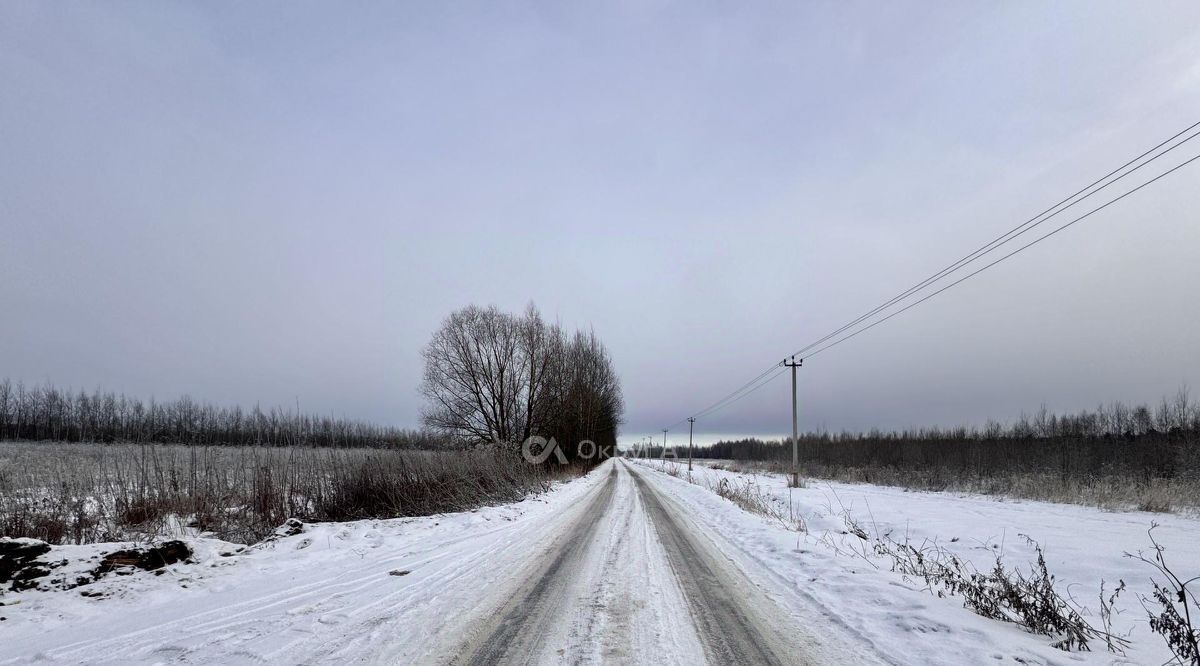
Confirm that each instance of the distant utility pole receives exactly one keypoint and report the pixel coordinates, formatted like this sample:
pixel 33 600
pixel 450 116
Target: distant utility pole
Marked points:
pixel 665 444
pixel 793 364
pixel 691 422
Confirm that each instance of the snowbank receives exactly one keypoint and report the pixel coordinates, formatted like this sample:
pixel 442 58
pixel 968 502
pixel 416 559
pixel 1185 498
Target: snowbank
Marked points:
pixel 829 566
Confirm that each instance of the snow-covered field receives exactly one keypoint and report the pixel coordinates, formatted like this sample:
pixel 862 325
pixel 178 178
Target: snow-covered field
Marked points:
pixel 587 575
pixel 1083 546
pixel 372 591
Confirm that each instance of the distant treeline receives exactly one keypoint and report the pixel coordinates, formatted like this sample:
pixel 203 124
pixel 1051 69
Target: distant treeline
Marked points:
pixel 1114 441
pixel 45 413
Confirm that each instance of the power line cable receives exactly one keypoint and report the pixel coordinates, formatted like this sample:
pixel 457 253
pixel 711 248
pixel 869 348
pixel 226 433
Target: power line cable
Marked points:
pixel 748 388
pixel 758 381
pixel 1012 234
pixel 778 371
pixel 716 405
pixel 1010 254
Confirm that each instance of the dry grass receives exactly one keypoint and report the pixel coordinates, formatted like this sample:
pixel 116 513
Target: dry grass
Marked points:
pixel 1116 457
pixel 84 493
pixel 1173 608
pixel 1028 599
pixel 1114 491
pixel 747 495
pixel 1110 491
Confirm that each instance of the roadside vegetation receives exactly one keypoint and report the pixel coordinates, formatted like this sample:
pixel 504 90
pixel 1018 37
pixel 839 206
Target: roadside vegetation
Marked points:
pixel 85 493
pixel 1030 597
pixel 79 467
pixel 1115 457
pixel 746 493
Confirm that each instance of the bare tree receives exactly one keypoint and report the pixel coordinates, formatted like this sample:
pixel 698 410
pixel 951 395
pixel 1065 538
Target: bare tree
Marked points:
pixel 471 376
pixel 492 377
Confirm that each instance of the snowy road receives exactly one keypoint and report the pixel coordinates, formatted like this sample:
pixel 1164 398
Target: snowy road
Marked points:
pixel 607 569
pixel 733 622
pixel 580 600
pixel 627 564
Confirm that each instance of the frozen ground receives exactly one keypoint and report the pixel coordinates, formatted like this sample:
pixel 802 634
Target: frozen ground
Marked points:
pixel 626 565
pixel 370 591
pixel 1082 545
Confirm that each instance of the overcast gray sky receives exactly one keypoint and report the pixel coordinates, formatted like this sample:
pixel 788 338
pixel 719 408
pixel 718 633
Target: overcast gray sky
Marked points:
pixel 259 202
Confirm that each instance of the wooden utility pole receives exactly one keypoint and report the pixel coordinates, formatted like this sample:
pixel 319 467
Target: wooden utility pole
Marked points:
pixel 691 422
pixel 793 364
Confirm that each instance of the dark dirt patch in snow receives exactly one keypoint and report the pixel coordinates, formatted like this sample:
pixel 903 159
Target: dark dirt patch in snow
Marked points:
pixel 24 565
pixel 146 559
pixel 18 562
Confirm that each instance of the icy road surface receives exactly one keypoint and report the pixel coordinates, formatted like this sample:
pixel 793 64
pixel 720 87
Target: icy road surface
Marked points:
pixel 629 579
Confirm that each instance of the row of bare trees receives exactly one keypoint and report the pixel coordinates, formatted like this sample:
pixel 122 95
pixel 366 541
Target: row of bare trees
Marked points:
pixel 493 377
pixel 46 413
pixel 1114 445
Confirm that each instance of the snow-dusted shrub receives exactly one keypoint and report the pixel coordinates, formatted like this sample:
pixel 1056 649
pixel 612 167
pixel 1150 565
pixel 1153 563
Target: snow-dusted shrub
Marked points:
pixel 1028 599
pixel 84 493
pixel 1114 457
pixel 750 497
pixel 1171 607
